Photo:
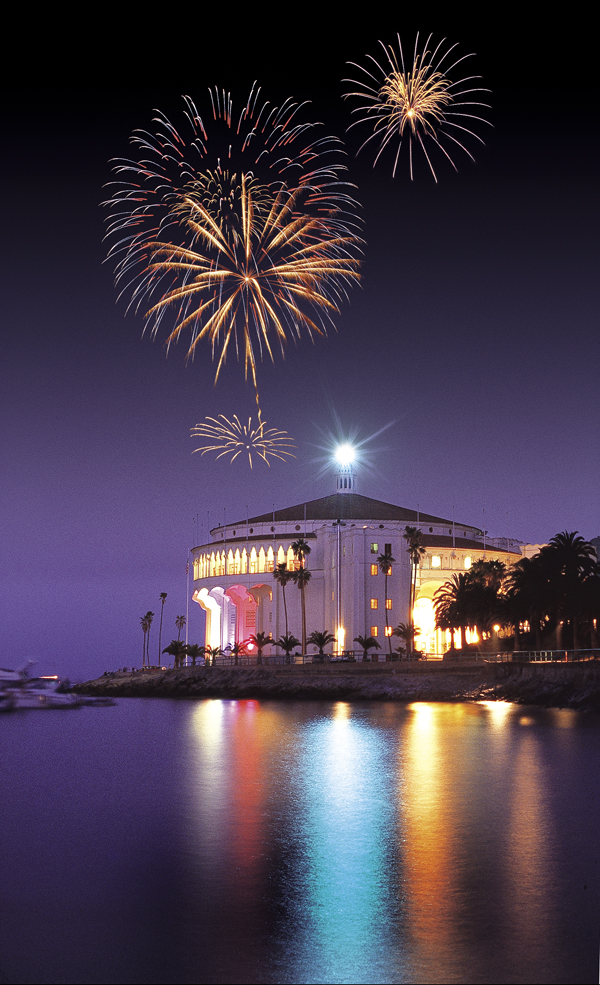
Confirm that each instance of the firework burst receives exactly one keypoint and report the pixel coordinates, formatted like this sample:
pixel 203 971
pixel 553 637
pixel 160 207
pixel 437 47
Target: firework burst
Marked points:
pixel 238 231
pixel 420 105
pixel 238 290
pixel 231 437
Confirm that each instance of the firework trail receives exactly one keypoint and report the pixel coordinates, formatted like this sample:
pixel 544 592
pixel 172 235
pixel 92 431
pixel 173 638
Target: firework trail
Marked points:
pixel 233 438
pixel 238 231
pixel 420 105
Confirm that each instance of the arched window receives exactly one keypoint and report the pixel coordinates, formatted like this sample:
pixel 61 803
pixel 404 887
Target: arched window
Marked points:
pixel 261 559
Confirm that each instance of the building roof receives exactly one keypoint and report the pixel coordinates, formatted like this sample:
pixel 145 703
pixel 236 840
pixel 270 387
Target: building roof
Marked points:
pixel 350 506
pixel 445 542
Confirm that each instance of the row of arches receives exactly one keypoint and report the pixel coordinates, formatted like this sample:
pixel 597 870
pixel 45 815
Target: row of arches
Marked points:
pixel 243 562
pixel 235 613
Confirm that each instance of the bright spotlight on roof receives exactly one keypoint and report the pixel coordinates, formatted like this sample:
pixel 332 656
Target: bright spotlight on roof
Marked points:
pixel 344 454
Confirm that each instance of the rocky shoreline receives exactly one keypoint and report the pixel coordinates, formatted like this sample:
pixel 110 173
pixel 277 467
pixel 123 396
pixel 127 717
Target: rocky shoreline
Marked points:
pixel 548 685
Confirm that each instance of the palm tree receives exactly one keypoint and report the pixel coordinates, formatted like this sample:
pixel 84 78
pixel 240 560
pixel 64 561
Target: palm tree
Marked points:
pixel 238 650
pixel 177 650
pixel 210 654
pixel 260 641
pixel 194 651
pixel 287 643
pixel 553 588
pixel 179 623
pixel 487 594
pixel 146 624
pixel 572 560
pixel 282 576
pixel 407 633
pixel 452 603
pixel 385 562
pixel 301 550
pixel 367 643
pixel 414 538
pixel 302 577
pixel 163 599
pixel 530 597
pixel 321 640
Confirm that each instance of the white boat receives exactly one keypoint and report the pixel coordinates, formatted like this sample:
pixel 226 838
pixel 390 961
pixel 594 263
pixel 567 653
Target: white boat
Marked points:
pixel 18 692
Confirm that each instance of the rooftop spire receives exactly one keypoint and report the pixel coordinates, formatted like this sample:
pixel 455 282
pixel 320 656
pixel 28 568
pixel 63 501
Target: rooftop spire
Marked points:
pixel 345 478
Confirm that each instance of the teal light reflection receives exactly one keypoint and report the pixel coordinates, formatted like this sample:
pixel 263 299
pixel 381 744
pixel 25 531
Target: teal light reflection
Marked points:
pixel 346 826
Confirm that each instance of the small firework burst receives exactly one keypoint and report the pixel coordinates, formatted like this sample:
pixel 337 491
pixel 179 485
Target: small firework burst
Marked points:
pixel 231 437
pixel 420 104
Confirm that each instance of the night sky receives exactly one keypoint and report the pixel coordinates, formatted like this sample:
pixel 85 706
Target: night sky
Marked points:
pixel 473 334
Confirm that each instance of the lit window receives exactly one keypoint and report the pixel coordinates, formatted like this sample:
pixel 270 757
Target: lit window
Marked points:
pixel 436 561
pixel 374 631
pixel 467 562
pixel 374 548
pixel 388 603
pixel 374 604
pixel 388 630
pixel 374 569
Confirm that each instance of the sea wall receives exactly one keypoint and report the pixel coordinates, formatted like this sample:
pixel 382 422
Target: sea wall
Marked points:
pixel 549 685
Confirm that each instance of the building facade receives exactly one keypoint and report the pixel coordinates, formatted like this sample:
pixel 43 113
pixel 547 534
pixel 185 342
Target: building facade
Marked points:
pixel 234 573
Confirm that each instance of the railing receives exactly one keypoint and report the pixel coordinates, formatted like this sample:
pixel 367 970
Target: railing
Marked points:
pixel 298 659
pixel 357 656
pixel 546 656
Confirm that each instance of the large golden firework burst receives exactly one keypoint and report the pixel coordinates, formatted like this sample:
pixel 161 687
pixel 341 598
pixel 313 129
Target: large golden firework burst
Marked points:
pixel 240 231
pixel 240 284
pixel 420 102
pixel 231 437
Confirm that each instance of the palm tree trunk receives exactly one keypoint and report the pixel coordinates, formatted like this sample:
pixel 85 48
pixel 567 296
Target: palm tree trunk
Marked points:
pixel 303 618
pixel 285 610
pixel 389 638
pixel 160 630
pixel 411 616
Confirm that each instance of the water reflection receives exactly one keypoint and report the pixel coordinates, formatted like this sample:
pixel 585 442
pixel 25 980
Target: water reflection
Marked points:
pixel 343 900
pixel 388 844
pixel 239 841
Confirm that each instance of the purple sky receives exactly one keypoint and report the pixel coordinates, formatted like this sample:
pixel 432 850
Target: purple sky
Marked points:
pixel 474 332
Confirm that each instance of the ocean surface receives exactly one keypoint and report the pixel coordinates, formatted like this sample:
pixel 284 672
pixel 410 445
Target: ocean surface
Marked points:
pixel 164 841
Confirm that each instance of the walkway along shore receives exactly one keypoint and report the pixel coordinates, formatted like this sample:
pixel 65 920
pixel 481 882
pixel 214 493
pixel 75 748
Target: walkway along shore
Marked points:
pixel 548 685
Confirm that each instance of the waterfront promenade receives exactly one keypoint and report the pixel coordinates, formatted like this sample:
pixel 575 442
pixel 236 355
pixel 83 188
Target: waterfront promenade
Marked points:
pixel 555 685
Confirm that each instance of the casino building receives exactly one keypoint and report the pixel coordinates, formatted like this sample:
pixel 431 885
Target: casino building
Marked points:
pixel 346 532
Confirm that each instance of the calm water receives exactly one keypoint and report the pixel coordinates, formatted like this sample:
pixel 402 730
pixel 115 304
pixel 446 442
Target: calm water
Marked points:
pixel 242 841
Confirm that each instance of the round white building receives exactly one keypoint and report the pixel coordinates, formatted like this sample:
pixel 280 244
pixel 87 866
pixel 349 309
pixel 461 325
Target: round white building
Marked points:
pixel 346 532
